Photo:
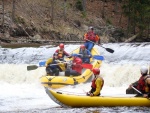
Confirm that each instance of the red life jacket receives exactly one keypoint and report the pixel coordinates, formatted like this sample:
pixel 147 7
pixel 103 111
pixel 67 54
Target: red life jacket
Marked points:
pixel 91 36
pixel 94 85
pixel 141 84
pixel 78 66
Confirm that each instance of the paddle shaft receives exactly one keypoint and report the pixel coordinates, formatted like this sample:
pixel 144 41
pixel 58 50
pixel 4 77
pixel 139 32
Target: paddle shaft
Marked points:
pixel 33 67
pixel 137 90
pixel 107 49
pixel 97 57
pixel 84 65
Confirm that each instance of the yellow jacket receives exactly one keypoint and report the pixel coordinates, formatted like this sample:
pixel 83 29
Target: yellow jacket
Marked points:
pixel 60 64
pixel 99 84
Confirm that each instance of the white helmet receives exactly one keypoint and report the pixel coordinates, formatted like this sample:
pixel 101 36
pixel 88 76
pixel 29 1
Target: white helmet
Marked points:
pixel 144 70
pixel 91 28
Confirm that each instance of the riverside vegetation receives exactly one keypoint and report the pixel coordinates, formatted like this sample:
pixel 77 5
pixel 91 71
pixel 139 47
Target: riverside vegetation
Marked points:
pixel 49 21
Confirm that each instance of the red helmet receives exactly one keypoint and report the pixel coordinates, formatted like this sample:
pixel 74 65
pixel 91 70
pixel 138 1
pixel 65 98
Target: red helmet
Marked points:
pixel 61 45
pixel 82 46
pixel 96 71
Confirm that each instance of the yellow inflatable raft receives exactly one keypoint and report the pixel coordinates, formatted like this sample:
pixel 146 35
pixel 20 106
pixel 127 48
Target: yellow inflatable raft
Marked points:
pixel 62 80
pixel 72 100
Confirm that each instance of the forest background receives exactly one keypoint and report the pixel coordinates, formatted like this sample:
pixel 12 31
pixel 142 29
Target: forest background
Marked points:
pixel 53 21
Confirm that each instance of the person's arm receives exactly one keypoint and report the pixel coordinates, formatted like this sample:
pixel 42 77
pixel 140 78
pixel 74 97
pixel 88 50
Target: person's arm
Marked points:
pixel 98 39
pixel 99 84
pixel 77 63
pixel 85 37
pixel 135 84
pixel 49 61
pixel 67 54
pixel 147 95
pixel 56 52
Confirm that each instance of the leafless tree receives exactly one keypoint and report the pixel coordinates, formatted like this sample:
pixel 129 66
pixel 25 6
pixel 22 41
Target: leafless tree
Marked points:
pixel 116 6
pixel 64 9
pixel 13 10
pixel 52 11
pixel 84 5
pixel 103 8
pixel 3 12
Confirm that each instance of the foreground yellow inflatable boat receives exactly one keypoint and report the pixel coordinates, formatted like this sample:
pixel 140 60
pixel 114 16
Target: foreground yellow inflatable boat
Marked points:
pixel 72 100
pixel 62 80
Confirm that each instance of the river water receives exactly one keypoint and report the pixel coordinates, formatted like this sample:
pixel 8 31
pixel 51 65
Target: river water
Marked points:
pixel 21 91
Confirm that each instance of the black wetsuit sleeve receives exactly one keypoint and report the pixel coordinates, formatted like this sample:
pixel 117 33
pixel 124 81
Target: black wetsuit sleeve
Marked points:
pixel 99 41
pixel 135 84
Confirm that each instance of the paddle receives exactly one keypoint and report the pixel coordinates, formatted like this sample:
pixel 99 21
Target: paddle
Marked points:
pixel 137 90
pixel 84 65
pixel 97 57
pixel 33 67
pixel 87 66
pixel 42 64
pixel 107 49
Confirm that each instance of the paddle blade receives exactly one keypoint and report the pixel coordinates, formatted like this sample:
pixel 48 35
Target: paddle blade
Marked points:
pixel 109 50
pixel 87 66
pixel 97 57
pixel 42 63
pixel 32 67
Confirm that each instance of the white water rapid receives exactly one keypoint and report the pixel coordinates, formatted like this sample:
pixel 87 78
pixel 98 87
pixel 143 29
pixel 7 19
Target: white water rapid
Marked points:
pixel 21 91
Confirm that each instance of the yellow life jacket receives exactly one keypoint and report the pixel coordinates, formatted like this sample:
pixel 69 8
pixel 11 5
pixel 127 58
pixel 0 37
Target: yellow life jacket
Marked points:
pixel 49 61
pixel 61 65
pixel 60 54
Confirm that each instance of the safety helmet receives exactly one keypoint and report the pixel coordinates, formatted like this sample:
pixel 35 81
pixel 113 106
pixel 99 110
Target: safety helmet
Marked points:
pixel 82 46
pixel 61 46
pixel 96 71
pixel 91 28
pixel 144 70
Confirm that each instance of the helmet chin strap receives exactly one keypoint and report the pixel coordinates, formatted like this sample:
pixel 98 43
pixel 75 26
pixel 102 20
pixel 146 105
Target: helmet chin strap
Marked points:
pixel 96 76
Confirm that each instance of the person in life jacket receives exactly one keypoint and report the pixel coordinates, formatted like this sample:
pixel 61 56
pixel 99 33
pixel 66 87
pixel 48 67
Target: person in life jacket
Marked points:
pixel 142 85
pixel 97 83
pixel 76 66
pixel 51 66
pixel 91 38
pixel 85 54
pixel 61 52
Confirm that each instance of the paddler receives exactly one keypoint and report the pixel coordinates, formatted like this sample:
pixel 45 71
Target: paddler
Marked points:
pixel 142 86
pixel 61 52
pixel 97 83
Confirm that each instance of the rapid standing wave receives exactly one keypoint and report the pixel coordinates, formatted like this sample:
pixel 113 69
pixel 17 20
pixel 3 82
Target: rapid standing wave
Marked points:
pixel 21 90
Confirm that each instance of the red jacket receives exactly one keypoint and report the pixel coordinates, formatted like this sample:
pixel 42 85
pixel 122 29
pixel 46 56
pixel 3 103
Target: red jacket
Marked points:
pixel 77 64
pixel 141 84
pixel 92 37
